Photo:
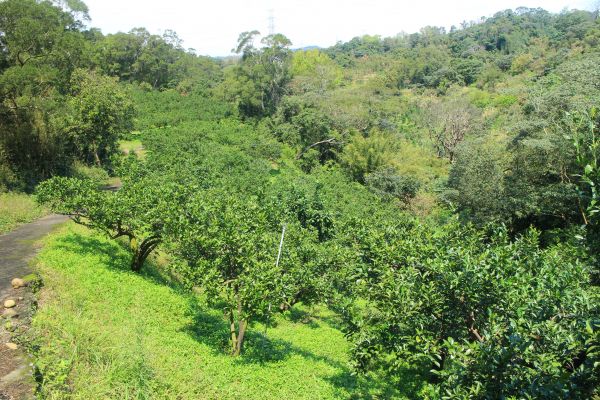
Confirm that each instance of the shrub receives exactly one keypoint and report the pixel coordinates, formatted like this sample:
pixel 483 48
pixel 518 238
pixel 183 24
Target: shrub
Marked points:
pixel 387 183
pixel 489 316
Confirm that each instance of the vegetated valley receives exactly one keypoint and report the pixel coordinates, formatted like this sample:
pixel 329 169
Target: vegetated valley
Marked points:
pixel 388 218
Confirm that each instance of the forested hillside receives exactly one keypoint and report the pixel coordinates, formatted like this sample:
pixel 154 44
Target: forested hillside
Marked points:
pixel 433 196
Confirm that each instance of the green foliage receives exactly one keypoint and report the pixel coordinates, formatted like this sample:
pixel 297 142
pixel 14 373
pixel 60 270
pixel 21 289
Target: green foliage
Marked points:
pixel 101 113
pixel 337 148
pixel 529 177
pixel 489 316
pixel 314 71
pixel 159 61
pixel 137 211
pixel 159 109
pixel 469 69
pixel 258 82
pixel 477 182
pixel 388 184
pixel 301 123
pixel 365 155
pixel 227 232
pixel 8 178
pixel 583 132
pixel 129 330
pixel 54 109
pixel 227 243
pixel 39 40
pixel 571 87
pixel 40 46
pixel 82 171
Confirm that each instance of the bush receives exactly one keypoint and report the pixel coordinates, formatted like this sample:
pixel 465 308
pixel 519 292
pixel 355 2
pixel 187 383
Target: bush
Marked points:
pixel 505 62
pixel 8 178
pixel 387 183
pixel 469 69
pixel 367 154
pixel 490 317
pixel 96 174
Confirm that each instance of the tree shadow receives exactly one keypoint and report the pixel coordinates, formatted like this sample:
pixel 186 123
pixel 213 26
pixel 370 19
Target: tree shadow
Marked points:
pixel 209 327
pixel 404 383
pixel 115 255
pixel 334 320
pixel 299 316
pixel 262 349
pixel 111 254
pixel 212 329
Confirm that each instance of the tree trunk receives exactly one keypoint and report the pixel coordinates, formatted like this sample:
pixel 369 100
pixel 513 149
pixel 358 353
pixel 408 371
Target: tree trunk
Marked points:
pixel 232 331
pixel 137 262
pixel 240 339
pixel 237 336
pixel 141 252
pixel 95 154
pixel 97 158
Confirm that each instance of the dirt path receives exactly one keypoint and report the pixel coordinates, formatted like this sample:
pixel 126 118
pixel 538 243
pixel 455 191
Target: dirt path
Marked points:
pixel 17 248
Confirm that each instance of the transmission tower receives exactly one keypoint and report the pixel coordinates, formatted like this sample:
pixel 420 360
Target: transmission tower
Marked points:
pixel 271 22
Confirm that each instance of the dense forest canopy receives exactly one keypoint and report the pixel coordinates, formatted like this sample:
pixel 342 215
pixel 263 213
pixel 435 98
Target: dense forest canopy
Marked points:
pixel 437 190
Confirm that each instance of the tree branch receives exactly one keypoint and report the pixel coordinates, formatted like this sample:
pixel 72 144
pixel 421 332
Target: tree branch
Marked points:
pixel 326 141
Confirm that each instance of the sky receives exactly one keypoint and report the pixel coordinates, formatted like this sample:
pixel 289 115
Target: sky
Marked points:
pixel 212 27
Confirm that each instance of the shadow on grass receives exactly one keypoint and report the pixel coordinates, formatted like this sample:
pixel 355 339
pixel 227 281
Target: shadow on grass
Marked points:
pixel 210 327
pixel 304 317
pixel 115 255
pixel 111 254
pixel 374 385
pixel 260 349
pixel 334 321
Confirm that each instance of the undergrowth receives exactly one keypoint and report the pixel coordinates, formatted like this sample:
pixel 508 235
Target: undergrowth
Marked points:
pixel 103 332
pixel 16 209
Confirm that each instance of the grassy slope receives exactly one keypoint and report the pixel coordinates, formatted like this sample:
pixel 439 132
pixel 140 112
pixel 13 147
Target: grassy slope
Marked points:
pixel 104 332
pixel 16 209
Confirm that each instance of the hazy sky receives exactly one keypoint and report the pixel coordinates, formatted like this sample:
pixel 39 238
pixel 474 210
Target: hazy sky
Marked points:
pixel 212 27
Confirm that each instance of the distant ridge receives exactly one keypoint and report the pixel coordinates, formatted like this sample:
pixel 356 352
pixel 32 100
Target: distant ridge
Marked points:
pixel 307 48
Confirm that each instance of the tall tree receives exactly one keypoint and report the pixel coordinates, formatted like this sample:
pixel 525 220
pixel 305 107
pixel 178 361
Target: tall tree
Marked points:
pixel 40 46
pixel 100 113
pixel 258 82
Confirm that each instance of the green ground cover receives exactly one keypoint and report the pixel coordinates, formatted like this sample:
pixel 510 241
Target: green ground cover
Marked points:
pixel 103 332
pixel 134 146
pixel 16 209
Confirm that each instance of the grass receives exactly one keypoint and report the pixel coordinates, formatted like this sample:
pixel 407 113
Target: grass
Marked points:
pixel 132 146
pixel 96 174
pixel 17 209
pixel 103 332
